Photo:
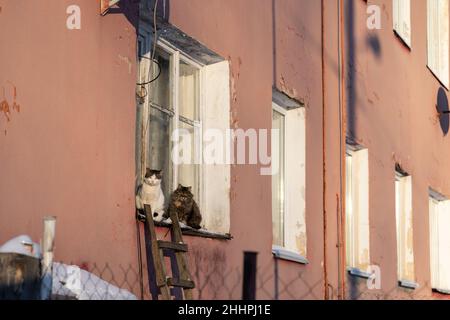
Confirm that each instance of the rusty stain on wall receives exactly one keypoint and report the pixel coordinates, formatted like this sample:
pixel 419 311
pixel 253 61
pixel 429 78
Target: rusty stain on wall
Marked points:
pixel 301 243
pixel 234 78
pixel 6 107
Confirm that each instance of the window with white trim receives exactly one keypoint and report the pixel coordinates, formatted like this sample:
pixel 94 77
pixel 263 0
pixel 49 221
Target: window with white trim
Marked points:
pixel 438 39
pixel 288 182
pixel 439 207
pixel 404 223
pixel 402 19
pixel 182 97
pixel 174 116
pixel 357 227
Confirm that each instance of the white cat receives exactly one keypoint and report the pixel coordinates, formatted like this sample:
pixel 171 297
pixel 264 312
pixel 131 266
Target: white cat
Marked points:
pixel 150 192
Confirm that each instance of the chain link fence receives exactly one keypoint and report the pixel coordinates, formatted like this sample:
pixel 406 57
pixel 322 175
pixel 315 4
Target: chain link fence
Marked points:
pixel 214 278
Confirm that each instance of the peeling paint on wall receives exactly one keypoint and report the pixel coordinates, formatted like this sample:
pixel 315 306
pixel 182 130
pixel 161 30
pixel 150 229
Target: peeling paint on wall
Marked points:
pixel 127 61
pixel 234 78
pixel 291 92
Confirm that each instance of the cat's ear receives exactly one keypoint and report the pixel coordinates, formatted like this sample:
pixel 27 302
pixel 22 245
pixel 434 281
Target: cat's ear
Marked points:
pixel 180 186
pixel 148 172
pixel 189 189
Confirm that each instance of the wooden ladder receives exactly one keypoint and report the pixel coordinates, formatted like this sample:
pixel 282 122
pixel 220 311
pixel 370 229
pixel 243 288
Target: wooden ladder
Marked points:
pixel 179 248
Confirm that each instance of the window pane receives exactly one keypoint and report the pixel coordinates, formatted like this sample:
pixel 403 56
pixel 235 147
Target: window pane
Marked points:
pixel 278 182
pixel 159 125
pixel 188 96
pixel 160 89
pixel 188 171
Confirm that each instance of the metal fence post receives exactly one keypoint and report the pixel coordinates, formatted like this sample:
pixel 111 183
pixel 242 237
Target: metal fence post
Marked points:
pixel 249 281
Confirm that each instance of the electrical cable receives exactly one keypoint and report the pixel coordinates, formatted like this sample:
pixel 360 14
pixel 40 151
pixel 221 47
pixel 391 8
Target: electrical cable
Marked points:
pixel 156 78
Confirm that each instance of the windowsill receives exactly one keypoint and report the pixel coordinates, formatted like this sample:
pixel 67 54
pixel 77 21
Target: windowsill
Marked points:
pixel 358 273
pixel 442 291
pixel 202 233
pixel 284 254
pixel 408 284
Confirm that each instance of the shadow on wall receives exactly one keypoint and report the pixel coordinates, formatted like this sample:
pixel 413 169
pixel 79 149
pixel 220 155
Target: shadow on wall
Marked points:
pixel 443 110
pixel 130 9
pixel 374 45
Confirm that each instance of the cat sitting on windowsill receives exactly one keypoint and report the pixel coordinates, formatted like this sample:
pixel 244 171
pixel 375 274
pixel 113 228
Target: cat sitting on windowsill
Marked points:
pixel 181 201
pixel 182 204
pixel 150 193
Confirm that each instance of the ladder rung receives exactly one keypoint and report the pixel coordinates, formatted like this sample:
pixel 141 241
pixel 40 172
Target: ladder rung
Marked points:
pixel 186 284
pixel 182 247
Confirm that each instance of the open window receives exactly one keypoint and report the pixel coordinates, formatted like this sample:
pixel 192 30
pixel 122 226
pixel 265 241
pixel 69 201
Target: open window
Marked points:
pixel 288 179
pixel 182 93
pixel 357 226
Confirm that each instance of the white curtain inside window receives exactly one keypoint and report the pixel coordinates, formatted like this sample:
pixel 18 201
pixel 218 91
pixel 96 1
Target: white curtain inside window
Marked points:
pixel 357 210
pixel 440 244
pixel 349 220
pixel 403 214
pixel 288 182
pixel 402 19
pixel 438 38
pixel 188 173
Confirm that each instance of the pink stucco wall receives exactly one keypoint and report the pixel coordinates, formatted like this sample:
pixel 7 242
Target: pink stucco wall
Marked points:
pixel 69 152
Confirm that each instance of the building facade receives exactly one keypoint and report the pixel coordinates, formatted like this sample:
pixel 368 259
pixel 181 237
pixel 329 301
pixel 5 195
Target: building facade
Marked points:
pixel 356 90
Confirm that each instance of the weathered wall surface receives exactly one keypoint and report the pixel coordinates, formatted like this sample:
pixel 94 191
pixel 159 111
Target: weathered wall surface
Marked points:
pixel 246 33
pixel 241 32
pixel 392 99
pixel 69 151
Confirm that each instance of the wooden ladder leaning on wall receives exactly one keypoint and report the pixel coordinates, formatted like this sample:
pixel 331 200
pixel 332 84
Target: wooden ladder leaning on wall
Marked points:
pixel 179 248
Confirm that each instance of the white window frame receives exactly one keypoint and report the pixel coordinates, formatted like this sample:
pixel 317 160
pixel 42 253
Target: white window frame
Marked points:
pixel 438 45
pixel 439 211
pixel 401 18
pixel 404 226
pixel 214 93
pixel 290 251
pixel 357 260
pixel 177 57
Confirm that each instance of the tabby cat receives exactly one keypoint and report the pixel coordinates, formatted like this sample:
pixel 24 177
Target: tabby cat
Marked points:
pixel 183 204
